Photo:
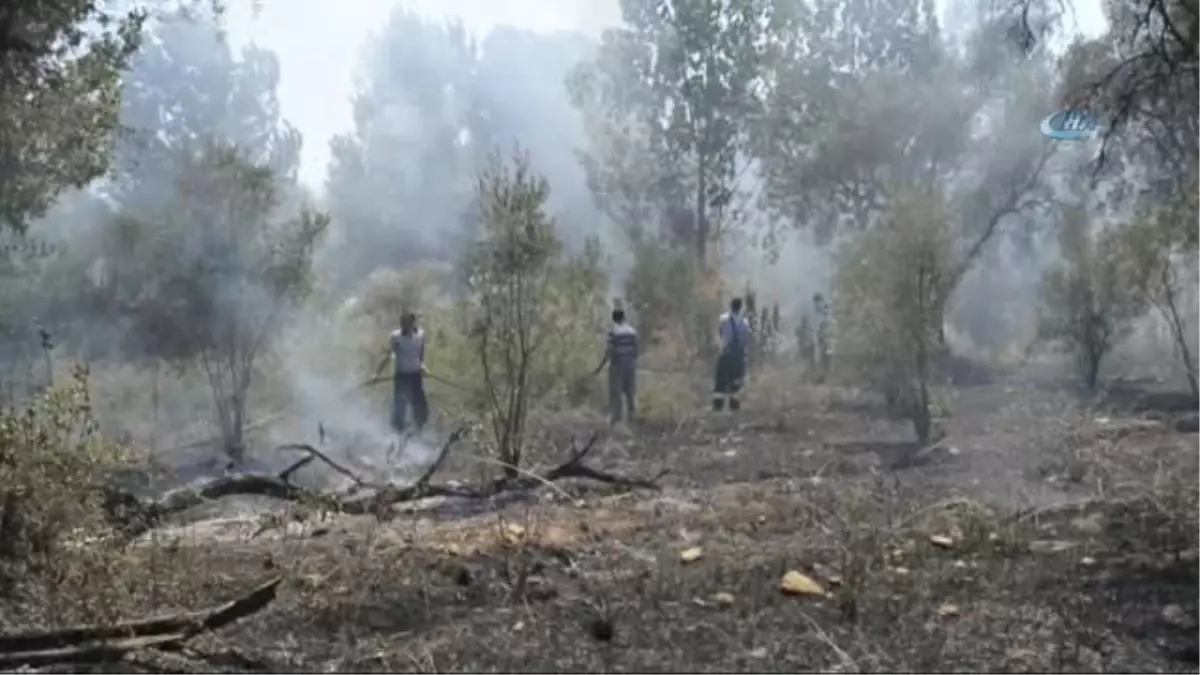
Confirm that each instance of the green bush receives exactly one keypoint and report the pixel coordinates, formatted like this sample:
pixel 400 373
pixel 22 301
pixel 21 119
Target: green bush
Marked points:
pixel 51 462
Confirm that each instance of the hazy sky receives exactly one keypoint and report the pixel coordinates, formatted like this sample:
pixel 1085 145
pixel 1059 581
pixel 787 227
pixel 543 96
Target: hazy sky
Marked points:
pixel 319 43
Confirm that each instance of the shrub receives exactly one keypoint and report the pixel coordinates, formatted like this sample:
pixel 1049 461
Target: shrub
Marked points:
pixel 530 304
pixel 51 461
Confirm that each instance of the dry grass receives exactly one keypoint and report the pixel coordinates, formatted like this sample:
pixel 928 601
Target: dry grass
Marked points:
pixel 1084 561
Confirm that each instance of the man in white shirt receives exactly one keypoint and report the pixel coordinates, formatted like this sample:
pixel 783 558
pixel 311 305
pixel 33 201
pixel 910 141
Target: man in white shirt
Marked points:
pixel 407 349
pixel 733 338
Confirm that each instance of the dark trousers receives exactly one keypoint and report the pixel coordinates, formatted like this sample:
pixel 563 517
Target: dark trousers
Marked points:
pixel 408 389
pixel 727 381
pixel 622 389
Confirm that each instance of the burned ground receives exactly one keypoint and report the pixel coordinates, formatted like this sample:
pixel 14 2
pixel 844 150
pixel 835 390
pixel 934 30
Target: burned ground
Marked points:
pixel 1039 535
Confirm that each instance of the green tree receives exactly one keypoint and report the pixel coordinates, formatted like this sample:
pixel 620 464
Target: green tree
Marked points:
pixel 862 101
pixel 185 92
pixel 675 85
pixel 60 67
pixel 1141 79
pixel 1153 152
pixel 889 285
pixel 527 298
pixel 1158 262
pixel 187 84
pixel 659 282
pixel 1086 307
pixel 51 460
pixel 399 181
pixel 433 105
pixel 22 296
pixel 209 279
pixel 625 172
pixel 849 92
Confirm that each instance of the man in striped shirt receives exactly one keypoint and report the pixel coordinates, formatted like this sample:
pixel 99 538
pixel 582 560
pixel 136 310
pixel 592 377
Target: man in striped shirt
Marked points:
pixel 620 355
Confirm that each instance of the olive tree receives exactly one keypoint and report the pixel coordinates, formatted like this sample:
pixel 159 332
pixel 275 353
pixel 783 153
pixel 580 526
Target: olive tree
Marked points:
pixel 1158 262
pixel 1086 309
pixel 888 292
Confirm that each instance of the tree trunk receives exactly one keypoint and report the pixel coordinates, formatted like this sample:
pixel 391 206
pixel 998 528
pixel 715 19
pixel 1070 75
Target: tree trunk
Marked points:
pixel 1177 329
pixel 48 359
pixel 154 407
pixel 1091 370
pixel 922 420
pixel 235 441
pixel 513 423
pixel 702 225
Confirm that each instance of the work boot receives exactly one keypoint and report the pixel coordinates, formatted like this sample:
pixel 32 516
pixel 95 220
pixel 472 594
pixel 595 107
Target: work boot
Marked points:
pixel 718 403
pixel 734 404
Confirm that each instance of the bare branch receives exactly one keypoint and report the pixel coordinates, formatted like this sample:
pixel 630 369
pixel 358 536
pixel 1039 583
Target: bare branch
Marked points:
pixel 313 452
pixel 98 643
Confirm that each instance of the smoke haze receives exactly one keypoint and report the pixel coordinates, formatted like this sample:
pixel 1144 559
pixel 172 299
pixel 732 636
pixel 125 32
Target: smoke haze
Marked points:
pixel 383 114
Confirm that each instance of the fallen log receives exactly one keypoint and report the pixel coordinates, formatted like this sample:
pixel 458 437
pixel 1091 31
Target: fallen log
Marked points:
pixel 97 652
pixel 135 517
pixel 100 643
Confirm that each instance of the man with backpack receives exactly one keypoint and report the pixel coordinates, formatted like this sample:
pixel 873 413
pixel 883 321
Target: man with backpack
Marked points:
pixel 733 338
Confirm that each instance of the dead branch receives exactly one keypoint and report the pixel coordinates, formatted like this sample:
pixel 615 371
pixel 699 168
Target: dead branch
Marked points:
pixel 437 463
pixel 575 468
pixel 313 452
pixel 286 474
pixel 136 517
pixel 99 643
pixel 583 471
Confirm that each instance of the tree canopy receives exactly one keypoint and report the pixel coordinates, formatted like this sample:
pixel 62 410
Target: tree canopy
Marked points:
pixel 60 67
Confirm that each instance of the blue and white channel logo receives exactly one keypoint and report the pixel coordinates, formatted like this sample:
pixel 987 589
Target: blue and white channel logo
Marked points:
pixel 1070 125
